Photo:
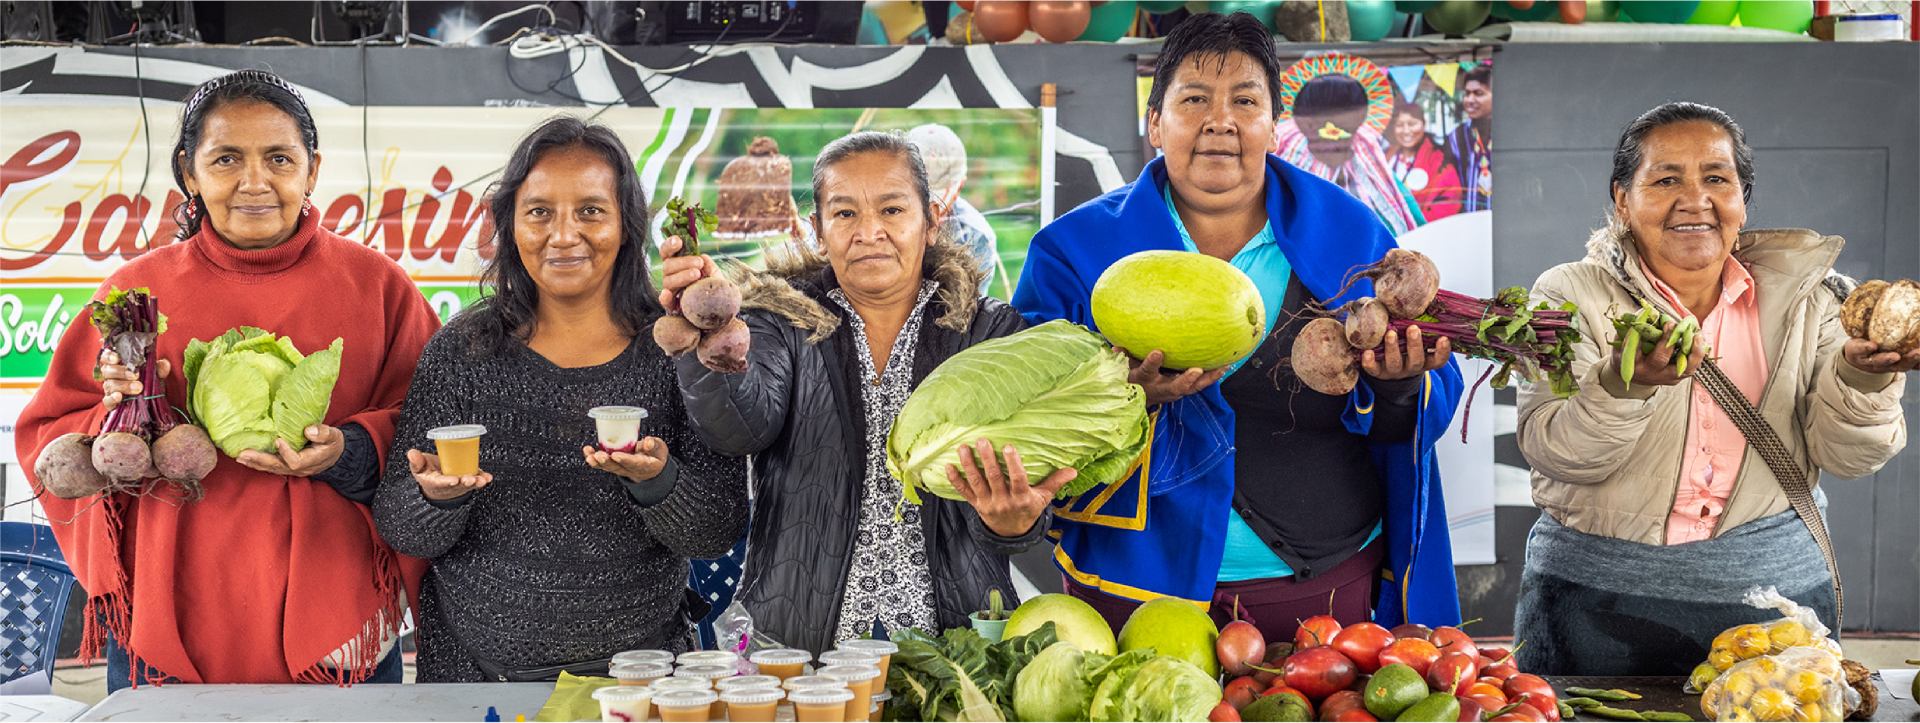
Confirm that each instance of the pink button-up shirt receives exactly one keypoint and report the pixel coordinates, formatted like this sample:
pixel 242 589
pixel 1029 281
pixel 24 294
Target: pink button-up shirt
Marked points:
pixel 1715 447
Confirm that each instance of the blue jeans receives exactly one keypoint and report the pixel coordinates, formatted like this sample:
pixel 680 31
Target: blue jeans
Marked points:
pixel 119 674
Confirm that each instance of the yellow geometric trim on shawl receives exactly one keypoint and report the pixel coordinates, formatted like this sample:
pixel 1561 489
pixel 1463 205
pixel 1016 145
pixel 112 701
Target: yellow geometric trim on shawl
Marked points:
pixel 1113 588
pixel 1090 514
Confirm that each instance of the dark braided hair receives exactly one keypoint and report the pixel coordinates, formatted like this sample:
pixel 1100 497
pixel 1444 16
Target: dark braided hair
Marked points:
pixel 245 85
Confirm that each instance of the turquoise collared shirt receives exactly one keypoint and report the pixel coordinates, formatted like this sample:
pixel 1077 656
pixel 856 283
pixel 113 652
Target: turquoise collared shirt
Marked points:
pixel 1248 557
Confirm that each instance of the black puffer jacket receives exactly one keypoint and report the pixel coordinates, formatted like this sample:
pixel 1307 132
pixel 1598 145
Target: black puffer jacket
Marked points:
pixel 797 410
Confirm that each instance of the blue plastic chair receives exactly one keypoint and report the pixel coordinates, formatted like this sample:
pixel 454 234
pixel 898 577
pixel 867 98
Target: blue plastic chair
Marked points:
pixel 35 584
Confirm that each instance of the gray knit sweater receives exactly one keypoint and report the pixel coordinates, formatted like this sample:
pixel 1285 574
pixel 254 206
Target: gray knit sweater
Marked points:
pixel 554 562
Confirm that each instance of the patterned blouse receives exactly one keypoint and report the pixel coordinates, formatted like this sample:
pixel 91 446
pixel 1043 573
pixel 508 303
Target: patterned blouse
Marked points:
pixel 889 580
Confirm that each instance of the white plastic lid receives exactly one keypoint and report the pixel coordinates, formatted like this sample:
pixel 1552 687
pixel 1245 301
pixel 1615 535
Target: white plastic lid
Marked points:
pixel 868 646
pixel 640 671
pixel 644 656
pixel 848 657
pixel 851 673
pixel 820 696
pixel 684 699
pixel 704 672
pixel 799 682
pixel 666 684
pixel 709 657
pixel 457 431
pixel 781 656
pixel 747 681
pixel 760 695
pixel 882 696
pixel 623 693
pixel 619 413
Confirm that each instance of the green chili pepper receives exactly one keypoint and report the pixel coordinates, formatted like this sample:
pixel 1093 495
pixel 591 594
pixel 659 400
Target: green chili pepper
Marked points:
pixel 1613 713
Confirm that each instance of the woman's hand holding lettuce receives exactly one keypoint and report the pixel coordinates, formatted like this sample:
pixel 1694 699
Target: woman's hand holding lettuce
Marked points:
pixel 262 401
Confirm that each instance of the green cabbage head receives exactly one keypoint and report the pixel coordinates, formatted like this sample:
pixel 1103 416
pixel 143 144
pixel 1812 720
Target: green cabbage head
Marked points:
pixel 1055 392
pixel 1160 689
pixel 248 387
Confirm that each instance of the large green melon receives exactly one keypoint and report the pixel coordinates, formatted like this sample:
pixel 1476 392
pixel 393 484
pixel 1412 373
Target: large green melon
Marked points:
pixel 1197 310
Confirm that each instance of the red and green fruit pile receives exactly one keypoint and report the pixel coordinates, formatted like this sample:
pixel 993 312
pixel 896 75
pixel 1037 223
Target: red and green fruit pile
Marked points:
pixel 1365 672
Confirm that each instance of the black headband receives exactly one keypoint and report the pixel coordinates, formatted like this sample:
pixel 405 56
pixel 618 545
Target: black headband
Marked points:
pixel 243 76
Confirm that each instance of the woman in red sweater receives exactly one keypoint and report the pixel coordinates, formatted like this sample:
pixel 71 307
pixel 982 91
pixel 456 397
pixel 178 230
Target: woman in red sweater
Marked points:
pixel 1421 164
pixel 276 575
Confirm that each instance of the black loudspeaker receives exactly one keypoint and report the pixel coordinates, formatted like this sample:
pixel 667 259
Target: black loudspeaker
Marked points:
pixel 27 21
pixel 740 22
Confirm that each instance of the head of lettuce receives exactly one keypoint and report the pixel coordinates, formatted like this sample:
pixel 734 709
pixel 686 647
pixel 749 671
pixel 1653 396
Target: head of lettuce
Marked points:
pixel 248 387
pixel 1056 392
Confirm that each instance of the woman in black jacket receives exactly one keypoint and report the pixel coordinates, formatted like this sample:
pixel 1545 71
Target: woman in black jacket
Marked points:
pixel 837 345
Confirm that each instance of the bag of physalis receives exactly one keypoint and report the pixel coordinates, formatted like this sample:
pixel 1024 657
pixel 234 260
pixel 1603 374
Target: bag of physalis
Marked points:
pixel 1804 683
pixel 1797 626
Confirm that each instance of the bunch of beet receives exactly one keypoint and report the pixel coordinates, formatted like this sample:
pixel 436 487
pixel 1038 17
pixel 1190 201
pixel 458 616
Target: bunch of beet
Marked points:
pixel 143 438
pixel 1535 341
pixel 708 320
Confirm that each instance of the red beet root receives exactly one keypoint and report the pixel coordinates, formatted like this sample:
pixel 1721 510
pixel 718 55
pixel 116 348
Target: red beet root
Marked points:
pixel 185 454
pixel 724 350
pixel 710 302
pixel 65 468
pixel 675 334
pixel 122 457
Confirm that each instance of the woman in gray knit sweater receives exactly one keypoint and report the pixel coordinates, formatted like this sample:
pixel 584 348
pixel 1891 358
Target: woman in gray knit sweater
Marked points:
pixel 556 556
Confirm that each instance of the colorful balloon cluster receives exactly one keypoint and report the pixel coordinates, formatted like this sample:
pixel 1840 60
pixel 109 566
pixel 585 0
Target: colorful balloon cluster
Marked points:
pixel 1058 21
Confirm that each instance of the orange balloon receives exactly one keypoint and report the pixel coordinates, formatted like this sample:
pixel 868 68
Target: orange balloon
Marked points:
pixel 966 5
pixel 1573 12
pixel 1517 4
pixel 1000 20
pixel 1060 22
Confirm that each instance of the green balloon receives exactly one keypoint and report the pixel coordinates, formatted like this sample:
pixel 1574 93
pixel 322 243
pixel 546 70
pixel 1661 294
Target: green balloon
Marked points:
pixel 1160 7
pixel 1370 19
pixel 1458 17
pixel 1603 11
pixel 1792 16
pixel 1259 9
pixel 1415 7
pixel 1714 12
pixel 1110 22
pixel 1667 11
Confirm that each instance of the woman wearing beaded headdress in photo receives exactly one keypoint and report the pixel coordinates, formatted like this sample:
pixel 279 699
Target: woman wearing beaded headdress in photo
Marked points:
pixel 277 575
pixel 1335 107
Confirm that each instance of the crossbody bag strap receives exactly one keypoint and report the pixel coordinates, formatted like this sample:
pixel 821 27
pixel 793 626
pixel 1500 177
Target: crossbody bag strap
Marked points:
pixel 1792 476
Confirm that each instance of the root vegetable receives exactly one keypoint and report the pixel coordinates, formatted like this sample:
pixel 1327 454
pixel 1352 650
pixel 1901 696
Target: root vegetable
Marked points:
pixel 1895 322
pixel 65 468
pixel 1405 281
pixel 710 302
pixel 184 455
pixel 1323 359
pixel 724 349
pixel 1367 322
pixel 1858 310
pixel 675 334
pixel 121 456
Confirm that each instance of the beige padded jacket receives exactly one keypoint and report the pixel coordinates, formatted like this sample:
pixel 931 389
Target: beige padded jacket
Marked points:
pixel 1606 461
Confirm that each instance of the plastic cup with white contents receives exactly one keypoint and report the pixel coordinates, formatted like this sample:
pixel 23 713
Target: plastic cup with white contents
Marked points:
pixel 617 428
pixel 624 704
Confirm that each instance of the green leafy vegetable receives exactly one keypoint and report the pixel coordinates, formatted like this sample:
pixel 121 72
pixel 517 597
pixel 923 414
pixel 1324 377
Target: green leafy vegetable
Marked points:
pixel 1057 685
pixel 1055 392
pixel 249 387
pixel 959 676
pixel 1110 695
pixel 688 221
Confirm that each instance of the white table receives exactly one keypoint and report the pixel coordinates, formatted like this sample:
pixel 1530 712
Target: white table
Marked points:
pixel 434 702
pixel 39 708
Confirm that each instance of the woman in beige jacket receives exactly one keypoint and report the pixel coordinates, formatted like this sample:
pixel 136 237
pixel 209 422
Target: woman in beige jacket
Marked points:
pixel 1658 515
